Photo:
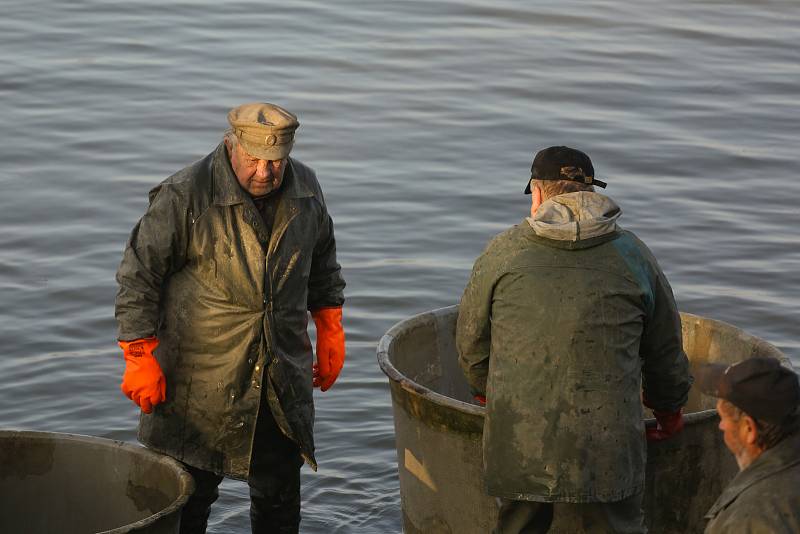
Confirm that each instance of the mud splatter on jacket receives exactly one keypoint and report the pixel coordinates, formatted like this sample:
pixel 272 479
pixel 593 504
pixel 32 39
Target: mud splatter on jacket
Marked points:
pixel 228 300
pixel 565 319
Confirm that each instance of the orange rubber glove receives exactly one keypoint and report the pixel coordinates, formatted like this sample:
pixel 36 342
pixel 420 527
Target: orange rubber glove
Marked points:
pixel 481 399
pixel 330 346
pixel 143 382
pixel 669 424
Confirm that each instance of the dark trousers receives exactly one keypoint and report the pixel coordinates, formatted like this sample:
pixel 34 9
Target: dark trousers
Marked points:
pixel 528 517
pixel 274 484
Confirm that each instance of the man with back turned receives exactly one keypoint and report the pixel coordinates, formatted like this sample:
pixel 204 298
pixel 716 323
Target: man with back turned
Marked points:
pixel 758 401
pixel 215 287
pixel 565 322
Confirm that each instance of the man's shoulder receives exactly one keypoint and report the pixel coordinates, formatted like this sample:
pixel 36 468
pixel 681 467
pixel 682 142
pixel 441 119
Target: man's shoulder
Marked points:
pixel 780 477
pixel 305 180
pixel 305 174
pixel 183 183
pixel 501 249
pixel 186 174
pixel 192 172
pixel 515 234
pixel 770 505
pixel 628 243
pixel 302 170
pixel 759 499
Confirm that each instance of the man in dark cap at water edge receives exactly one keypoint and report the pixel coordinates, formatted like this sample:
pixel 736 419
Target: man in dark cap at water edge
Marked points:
pixel 215 287
pixel 758 401
pixel 566 321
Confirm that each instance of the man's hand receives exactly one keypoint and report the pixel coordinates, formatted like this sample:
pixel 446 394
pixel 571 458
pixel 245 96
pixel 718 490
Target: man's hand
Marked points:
pixel 143 382
pixel 330 346
pixel 669 424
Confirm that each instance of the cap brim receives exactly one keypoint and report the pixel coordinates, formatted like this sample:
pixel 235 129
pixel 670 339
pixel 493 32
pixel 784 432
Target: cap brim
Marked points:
pixel 598 183
pixel 269 153
pixel 708 377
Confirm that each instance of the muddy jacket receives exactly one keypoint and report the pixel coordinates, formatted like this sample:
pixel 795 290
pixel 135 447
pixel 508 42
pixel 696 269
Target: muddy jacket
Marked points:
pixel 765 497
pixel 564 320
pixel 228 299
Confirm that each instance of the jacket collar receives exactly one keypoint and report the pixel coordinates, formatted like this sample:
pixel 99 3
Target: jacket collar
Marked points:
pixel 227 190
pixel 782 456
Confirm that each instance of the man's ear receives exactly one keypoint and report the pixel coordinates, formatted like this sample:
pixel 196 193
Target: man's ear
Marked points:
pixel 749 430
pixel 536 198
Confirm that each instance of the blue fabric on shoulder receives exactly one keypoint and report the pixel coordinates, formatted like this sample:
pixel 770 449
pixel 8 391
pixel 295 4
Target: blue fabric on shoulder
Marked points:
pixel 638 264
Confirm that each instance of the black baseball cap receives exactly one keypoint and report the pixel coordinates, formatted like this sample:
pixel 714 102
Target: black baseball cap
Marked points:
pixel 762 387
pixel 562 163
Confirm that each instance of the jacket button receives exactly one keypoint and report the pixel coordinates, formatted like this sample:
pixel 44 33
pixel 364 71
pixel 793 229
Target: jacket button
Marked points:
pixel 250 361
pixel 258 367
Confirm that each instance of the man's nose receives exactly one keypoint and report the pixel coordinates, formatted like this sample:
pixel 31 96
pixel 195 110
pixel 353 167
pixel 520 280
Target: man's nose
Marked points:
pixel 263 170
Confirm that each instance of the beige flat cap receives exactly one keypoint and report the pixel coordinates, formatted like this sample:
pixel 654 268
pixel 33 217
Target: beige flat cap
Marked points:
pixel 265 131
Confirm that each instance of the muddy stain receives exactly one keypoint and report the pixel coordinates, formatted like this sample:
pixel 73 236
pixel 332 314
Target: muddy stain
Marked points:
pixel 20 458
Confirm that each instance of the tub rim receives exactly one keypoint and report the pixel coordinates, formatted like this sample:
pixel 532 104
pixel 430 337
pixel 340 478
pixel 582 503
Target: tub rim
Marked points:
pixel 414 388
pixel 186 483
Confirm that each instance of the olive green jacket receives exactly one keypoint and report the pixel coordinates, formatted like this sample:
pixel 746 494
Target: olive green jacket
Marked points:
pixel 565 319
pixel 765 497
pixel 227 299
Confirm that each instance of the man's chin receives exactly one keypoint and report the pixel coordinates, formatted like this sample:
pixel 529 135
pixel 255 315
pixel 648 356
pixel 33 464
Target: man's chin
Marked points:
pixel 259 190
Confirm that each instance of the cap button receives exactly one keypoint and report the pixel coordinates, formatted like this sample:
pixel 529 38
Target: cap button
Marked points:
pixel 270 140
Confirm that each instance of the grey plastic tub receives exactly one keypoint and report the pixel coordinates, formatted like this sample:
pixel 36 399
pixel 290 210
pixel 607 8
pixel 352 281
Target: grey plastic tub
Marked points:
pixel 69 484
pixel 438 432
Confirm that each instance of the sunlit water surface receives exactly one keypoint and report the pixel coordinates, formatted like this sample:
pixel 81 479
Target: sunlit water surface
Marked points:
pixel 421 119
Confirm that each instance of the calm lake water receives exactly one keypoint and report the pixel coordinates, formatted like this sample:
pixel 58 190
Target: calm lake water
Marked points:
pixel 421 119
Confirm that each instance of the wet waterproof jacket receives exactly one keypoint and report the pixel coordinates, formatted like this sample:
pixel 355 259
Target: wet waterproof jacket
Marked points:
pixel 565 319
pixel 765 497
pixel 228 299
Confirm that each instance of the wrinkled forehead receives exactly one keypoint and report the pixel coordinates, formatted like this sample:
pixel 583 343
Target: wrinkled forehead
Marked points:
pixel 727 409
pixel 244 153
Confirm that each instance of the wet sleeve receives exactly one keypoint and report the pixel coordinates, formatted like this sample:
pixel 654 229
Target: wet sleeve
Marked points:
pixel 665 367
pixel 473 328
pixel 325 281
pixel 156 248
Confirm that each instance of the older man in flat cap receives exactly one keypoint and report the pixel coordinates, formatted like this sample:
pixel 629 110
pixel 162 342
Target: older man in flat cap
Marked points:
pixel 566 320
pixel 757 401
pixel 215 287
